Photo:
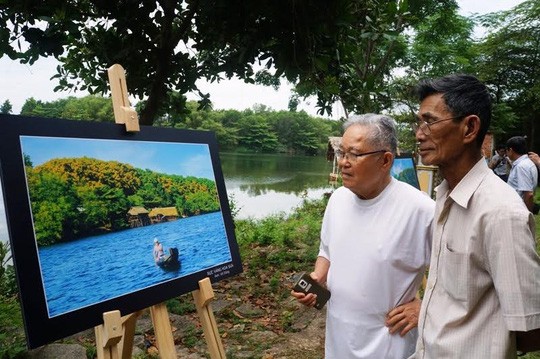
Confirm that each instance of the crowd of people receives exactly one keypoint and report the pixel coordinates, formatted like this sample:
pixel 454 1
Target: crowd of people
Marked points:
pixel 477 239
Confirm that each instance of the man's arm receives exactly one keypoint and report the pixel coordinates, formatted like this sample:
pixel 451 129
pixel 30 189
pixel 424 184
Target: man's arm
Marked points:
pixel 320 273
pixel 528 341
pixel 494 161
pixel 528 198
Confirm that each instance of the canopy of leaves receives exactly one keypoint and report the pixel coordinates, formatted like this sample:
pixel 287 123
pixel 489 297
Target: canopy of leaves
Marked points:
pixel 167 45
pixel 6 107
pixel 339 49
pixel 370 47
pixel 94 108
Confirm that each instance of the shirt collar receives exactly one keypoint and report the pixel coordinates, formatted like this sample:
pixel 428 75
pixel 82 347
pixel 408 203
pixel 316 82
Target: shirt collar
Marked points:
pixel 519 159
pixel 465 189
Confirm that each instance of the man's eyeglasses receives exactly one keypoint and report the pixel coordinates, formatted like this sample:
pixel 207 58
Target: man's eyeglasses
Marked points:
pixel 353 157
pixel 425 127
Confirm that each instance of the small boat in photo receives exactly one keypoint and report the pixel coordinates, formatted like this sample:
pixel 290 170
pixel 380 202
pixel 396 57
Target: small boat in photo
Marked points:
pixel 170 261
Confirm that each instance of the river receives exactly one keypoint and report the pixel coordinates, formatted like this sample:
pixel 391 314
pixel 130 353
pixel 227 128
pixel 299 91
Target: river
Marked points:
pixel 266 184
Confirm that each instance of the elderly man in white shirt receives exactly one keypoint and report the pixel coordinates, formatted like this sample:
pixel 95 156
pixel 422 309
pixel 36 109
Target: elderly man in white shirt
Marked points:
pixel 375 245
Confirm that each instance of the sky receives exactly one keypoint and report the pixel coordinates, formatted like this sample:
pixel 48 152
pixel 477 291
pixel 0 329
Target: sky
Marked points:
pixel 19 82
pixel 184 159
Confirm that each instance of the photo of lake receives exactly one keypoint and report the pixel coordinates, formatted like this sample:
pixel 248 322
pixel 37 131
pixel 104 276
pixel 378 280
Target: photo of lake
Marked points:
pixel 95 269
pixel 98 205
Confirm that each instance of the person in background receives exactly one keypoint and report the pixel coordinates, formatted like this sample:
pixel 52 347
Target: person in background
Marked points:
pixel 523 175
pixel 499 163
pixel 482 297
pixel 375 245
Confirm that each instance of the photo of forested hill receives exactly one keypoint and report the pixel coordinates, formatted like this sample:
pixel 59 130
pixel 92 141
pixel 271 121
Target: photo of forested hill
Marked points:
pixel 75 197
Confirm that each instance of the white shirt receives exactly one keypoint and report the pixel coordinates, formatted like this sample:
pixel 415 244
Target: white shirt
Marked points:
pixel 378 250
pixel 484 276
pixel 523 176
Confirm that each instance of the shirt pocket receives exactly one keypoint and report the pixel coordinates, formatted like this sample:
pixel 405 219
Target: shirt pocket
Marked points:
pixel 455 273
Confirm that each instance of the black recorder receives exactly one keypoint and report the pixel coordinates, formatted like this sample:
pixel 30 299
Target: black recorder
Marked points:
pixel 306 284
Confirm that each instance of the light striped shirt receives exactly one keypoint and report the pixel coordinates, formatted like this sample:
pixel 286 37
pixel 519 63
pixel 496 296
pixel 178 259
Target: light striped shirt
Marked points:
pixel 484 278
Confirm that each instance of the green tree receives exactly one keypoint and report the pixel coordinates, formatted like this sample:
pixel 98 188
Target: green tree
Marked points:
pixel 166 46
pixel 6 107
pixel 255 134
pixel 54 206
pixel 509 64
pixel 201 202
pixel 442 44
pixel 94 108
pixel 53 109
pixel 370 45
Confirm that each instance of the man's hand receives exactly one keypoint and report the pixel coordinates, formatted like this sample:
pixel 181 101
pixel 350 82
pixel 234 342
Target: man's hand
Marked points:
pixel 306 299
pixel 404 317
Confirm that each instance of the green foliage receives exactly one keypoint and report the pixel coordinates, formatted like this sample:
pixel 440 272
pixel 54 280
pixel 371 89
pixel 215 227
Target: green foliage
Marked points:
pixel 442 45
pixel 92 108
pixel 12 338
pixel 8 281
pixel 279 243
pixel 509 65
pixel 371 44
pixel 258 130
pixel 76 197
pixel 255 133
pixel 6 107
pixel 181 305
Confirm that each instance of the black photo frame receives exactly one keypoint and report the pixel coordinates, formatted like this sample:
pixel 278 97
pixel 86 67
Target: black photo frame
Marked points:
pixel 60 181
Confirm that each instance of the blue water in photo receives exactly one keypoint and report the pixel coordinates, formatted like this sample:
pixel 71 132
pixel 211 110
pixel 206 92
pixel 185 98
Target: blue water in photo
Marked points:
pixel 94 269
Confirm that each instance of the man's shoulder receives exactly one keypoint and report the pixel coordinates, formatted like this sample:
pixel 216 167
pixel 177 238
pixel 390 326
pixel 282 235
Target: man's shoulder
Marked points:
pixel 412 193
pixel 341 193
pixel 494 192
pixel 524 162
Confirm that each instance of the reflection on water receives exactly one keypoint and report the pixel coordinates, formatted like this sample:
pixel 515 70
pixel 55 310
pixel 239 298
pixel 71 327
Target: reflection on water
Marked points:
pixel 265 184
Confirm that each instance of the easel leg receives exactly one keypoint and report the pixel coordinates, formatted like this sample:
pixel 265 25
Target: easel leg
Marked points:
pixel 163 331
pixel 203 297
pixel 109 335
pixel 126 344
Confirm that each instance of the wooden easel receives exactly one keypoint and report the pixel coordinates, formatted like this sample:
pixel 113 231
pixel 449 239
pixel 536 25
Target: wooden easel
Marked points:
pixel 114 338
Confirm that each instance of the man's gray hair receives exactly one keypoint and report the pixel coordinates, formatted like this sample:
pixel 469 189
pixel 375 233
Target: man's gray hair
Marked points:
pixel 383 130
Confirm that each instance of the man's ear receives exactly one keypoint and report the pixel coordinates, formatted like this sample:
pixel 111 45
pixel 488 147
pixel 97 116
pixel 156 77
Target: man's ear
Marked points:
pixel 471 129
pixel 388 159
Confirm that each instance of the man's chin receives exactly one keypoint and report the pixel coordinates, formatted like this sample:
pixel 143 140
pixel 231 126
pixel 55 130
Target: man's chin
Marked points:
pixel 427 160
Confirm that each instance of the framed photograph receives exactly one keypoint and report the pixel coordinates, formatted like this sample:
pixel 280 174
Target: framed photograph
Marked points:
pixel 404 169
pixel 100 219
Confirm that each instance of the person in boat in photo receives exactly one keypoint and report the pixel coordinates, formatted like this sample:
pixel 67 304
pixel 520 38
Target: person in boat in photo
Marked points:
pixel 159 254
